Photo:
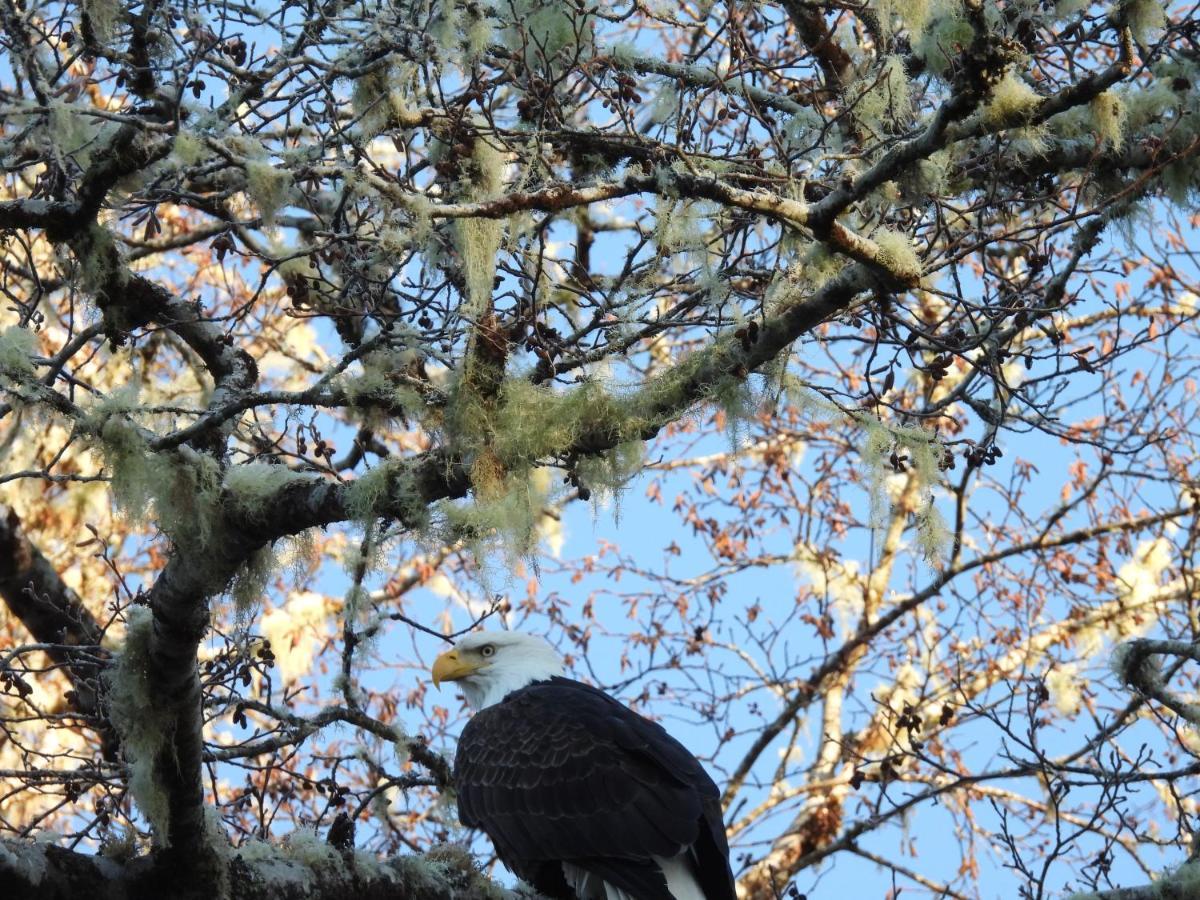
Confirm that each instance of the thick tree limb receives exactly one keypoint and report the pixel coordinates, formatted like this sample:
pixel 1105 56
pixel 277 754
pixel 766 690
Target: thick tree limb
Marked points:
pixel 319 873
pixel 50 611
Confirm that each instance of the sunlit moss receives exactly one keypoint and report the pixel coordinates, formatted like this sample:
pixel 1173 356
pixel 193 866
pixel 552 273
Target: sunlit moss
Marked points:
pixel 476 239
pixel 1108 114
pixel 933 537
pixel 545 28
pixel 1012 99
pixel 897 254
pixel 249 485
pixel 508 515
pixel 187 149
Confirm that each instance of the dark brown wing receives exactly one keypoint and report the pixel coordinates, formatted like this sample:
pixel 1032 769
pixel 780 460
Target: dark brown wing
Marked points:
pixel 559 771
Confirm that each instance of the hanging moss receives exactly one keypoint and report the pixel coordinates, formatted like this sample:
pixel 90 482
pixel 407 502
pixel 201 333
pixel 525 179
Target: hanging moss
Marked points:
pixel 141 723
pixel 388 488
pixel 933 537
pixel 181 492
pixel 921 449
pixel 944 33
pixel 1108 114
pixel 1142 16
pixel 250 582
pixel 478 240
pixel 269 186
pixel 909 15
pixel 738 402
pixel 882 98
pixel 508 517
pixel 607 475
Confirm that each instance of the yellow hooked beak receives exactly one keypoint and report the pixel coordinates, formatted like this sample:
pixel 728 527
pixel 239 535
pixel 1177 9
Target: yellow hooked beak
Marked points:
pixel 450 667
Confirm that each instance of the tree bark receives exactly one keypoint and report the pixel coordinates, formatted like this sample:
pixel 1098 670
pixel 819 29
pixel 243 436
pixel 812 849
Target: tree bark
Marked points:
pixel 48 872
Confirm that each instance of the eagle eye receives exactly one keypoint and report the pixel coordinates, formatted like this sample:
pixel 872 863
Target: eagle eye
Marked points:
pixel 487 650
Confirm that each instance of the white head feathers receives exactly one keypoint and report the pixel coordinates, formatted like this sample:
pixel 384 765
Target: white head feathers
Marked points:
pixel 492 664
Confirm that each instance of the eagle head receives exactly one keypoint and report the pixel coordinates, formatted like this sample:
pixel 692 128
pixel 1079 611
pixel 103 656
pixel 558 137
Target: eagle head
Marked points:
pixel 492 664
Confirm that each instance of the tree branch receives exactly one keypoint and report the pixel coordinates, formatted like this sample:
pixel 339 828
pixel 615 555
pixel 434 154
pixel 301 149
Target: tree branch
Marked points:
pixel 315 872
pixel 50 611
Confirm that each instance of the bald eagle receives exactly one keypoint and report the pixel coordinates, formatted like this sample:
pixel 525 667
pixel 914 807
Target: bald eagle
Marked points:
pixel 583 798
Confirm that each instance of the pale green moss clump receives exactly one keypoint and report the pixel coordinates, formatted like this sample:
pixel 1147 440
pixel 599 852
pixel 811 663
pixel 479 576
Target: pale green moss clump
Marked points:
pixel 910 15
pixel 377 384
pixel 1011 102
pixel 101 266
pixel 945 33
pixel 250 581
pixel 120 844
pixel 922 452
pixel 138 719
pixel 470 20
pixel 929 177
pixel 1069 8
pixel 246 489
pixel 269 185
pixel 624 54
pixel 187 150
pixel 248 486
pixel 545 28
pixel 933 536
pixel 381 99
pixel 104 15
pixel 1108 114
pixel 389 488
pixel 17 346
pixel 678 225
pixel 897 255
pixel 306 847
pixel 882 99
pixel 1142 16
pixel 508 512
pixel 70 133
